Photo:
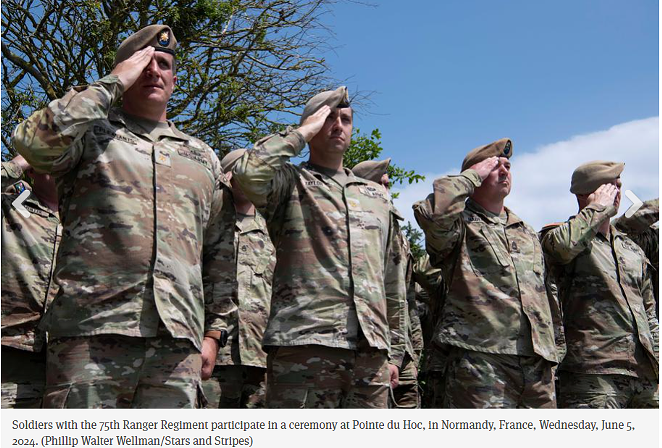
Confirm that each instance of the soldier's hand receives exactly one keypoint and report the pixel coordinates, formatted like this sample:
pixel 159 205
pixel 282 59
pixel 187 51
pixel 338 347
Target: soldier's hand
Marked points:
pixel 485 167
pixel 130 70
pixel 605 195
pixel 394 373
pixel 313 124
pixel 209 351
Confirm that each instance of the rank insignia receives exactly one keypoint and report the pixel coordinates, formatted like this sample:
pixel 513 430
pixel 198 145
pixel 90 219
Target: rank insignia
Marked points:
pixel 506 150
pixel 164 38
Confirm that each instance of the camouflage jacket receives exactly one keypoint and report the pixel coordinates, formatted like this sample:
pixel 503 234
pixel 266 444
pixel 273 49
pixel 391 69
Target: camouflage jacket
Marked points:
pixel 606 296
pixel 412 324
pixel 256 260
pixel 29 246
pixel 496 298
pixel 643 228
pixel 146 236
pixel 335 248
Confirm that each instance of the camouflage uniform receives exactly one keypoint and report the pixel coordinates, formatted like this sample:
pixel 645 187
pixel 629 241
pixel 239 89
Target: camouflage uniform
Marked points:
pixel 407 394
pixel 643 228
pixel 428 289
pixel 496 315
pixel 147 244
pixel 333 238
pixel 239 377
pixel 608 311
pixel 29 246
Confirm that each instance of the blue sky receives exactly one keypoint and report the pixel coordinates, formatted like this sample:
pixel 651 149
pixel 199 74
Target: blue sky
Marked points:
pixel 451 75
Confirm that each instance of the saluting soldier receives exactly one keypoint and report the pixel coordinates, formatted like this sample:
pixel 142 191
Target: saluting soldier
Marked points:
pixel 29 245
pixel 497 317
pixel 643 228
pixel 605 290
pixel 406 394
pixel 145 269
pixel 334 333
pixel 239 378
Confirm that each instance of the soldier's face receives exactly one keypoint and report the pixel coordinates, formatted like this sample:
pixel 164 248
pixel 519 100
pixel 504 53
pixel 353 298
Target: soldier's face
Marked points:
pixel 617 200
pixel 499 182
pixel 157 81
pixel 336 134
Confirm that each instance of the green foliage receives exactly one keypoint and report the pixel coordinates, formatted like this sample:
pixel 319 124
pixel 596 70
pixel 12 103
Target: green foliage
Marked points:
pixel 369 147
pixel 415 237
pixel 243 66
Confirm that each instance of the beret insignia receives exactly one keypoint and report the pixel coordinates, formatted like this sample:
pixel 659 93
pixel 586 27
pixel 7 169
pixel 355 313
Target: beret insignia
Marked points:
pixel 164 38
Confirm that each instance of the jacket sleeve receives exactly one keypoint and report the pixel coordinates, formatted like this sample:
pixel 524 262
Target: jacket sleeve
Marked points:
pixel 264 174
pixel 650 308
pixel 647 215
pixel 11 173
pixel 218 262
pixel 51 138
pixel 440 214
pixel 396 292
pixel 564 242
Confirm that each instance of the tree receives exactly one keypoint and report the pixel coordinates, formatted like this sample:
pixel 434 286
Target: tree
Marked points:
pixel 244 66
pixel 369 147
pixel 415 244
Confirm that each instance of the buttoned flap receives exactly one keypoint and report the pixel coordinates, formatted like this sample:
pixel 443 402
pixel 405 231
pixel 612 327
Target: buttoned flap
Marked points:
pixel 632 262
pixel 369 211
pixel 525 248
pixel 195 154
pixel 257 253
pixel 484 247
pixel 538 259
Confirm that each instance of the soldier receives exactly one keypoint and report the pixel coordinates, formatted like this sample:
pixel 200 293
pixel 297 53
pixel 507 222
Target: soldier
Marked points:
pixel 334 320
pixel 239 377
pixel 145 265
pixel 430 294
pixel 644 229
pixel 606 294
pixel 496 317
pixel 29 245
pixel 406 395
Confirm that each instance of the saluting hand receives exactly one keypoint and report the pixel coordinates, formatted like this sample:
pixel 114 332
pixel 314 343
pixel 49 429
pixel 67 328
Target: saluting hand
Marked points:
pixel 313 124
pixel 604 195
pixel 130 70
pixel 485 167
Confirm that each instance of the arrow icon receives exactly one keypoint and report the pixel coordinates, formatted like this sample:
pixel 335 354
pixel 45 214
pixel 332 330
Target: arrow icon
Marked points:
pixel 18 203
pixel 636 203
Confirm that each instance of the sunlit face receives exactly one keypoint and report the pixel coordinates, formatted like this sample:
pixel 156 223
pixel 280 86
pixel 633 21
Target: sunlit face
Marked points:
pixel 617 200
pixel 499 181
pixel 385 181
pixel 157 81
pixel 336 134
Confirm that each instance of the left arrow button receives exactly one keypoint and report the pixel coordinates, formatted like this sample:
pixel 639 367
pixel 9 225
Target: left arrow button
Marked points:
pixel 18 203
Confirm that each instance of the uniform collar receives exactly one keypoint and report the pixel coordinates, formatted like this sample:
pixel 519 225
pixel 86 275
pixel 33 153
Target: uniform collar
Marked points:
pixel 144 127
pixel 351 178
pixel 511 220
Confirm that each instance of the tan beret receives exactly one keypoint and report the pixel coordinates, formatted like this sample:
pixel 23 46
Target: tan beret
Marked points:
pixel 157 36
pixel 231 159
pixel 589 176
pixel 500 148
pixel 371 169
pixel 331 98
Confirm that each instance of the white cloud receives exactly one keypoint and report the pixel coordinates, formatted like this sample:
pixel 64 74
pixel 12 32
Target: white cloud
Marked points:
pixel 541 179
